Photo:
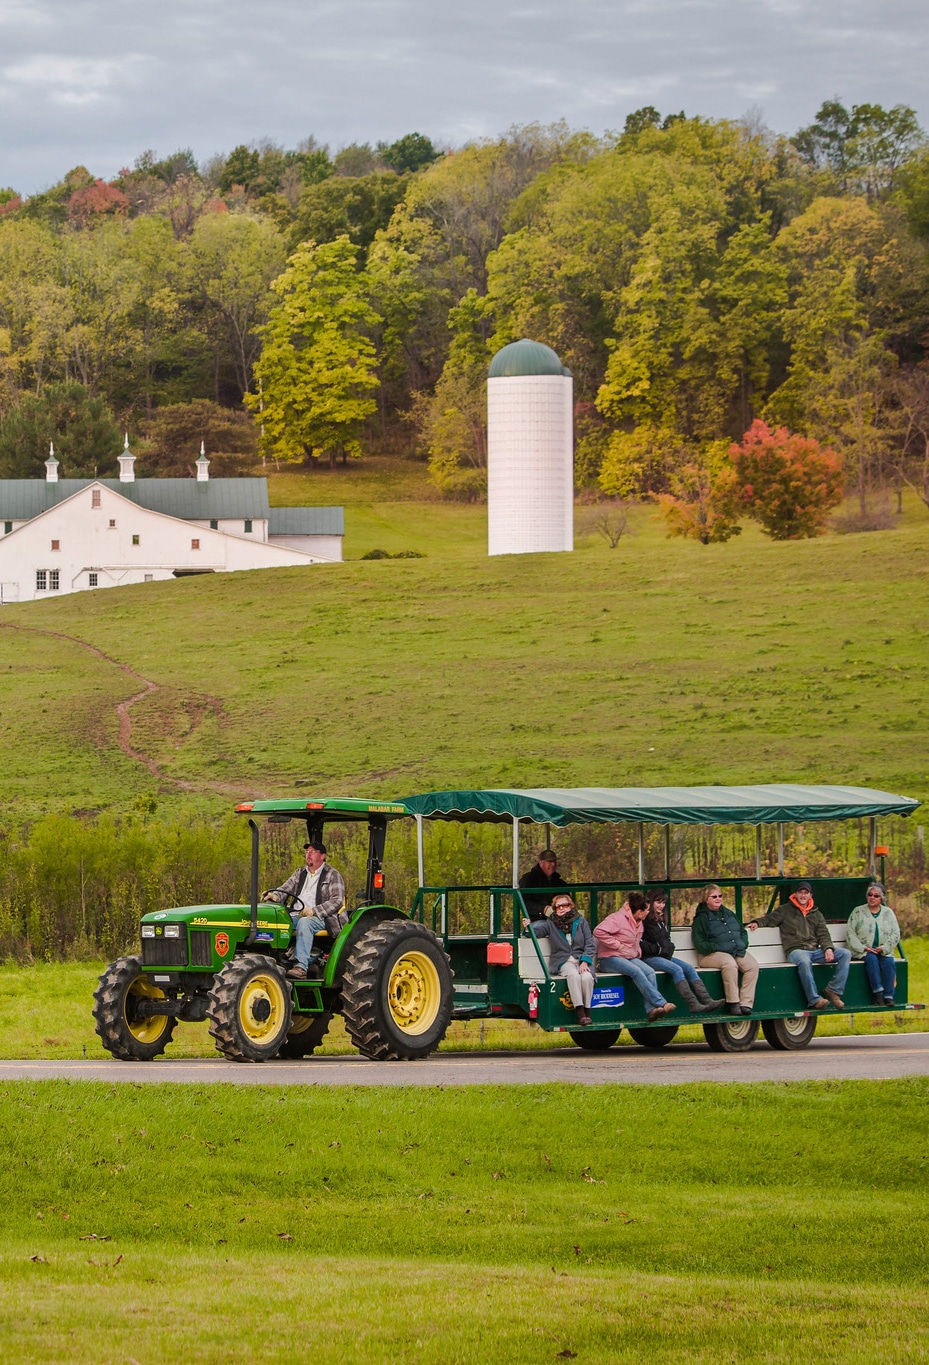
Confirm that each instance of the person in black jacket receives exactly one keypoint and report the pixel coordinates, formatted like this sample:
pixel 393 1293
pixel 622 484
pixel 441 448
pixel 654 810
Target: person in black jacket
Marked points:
pixel 543 874
pixel 658 953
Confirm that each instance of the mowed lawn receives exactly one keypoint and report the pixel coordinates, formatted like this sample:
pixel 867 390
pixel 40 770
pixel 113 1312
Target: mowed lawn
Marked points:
pixel 657 662
pixel 705 1223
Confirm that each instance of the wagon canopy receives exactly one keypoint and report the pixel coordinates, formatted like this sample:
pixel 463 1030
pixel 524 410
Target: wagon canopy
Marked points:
pixel 765 805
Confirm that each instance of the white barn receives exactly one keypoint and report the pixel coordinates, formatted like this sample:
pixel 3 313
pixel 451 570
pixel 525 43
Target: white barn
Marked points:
pixel 70 535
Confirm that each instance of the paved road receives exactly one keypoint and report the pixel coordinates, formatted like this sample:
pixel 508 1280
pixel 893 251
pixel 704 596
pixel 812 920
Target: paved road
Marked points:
pixel 903 1054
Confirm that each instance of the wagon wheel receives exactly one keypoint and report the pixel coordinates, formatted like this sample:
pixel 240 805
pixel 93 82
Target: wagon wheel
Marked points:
pixel 789 1035
pixel 653 1038
pixel 736 1035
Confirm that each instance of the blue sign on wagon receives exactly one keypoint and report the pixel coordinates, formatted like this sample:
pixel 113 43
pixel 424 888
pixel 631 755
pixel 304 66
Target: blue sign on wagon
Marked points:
pixel 607 997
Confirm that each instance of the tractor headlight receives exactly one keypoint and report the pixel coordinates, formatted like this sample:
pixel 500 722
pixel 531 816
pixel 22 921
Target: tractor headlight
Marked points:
pixel 148 931
pixel 172 931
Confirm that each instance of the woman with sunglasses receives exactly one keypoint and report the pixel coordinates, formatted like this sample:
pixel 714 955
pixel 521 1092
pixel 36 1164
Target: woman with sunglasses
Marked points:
pixel 873 933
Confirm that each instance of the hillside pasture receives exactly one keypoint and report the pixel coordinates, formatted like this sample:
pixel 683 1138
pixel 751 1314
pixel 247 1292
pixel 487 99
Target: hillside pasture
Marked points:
pixel 657 662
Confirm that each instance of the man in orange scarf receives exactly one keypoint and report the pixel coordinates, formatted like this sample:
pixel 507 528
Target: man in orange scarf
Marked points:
pixel 806 940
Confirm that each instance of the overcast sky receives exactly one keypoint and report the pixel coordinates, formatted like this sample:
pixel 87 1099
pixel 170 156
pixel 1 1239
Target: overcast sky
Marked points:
pixel 96 82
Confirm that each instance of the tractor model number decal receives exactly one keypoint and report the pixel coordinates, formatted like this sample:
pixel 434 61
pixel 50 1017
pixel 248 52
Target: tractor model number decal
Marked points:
pixel 222 944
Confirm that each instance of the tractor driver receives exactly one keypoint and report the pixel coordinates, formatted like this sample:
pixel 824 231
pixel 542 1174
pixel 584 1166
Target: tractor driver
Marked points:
pixel 322 891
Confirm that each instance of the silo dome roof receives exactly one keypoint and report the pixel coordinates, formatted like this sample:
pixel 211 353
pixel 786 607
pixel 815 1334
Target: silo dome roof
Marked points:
pixel 525 357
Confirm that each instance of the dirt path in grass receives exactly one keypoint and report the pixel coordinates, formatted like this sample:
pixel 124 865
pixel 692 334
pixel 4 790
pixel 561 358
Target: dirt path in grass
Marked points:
pixel 123 718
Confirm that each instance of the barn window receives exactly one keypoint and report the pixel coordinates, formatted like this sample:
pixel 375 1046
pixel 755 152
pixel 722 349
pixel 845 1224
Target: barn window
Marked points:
pixel 56 544
pixel 7 527
pixel 41 580
pixel 53 579
pixel 135 540
pixel 195 545
pixel 95 497
pixel 112 523
pixel 214 524
pixel 149 578
pixel 92 580
pixel 248 525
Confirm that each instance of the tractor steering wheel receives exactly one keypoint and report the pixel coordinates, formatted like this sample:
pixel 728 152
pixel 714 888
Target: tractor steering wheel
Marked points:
pixel 291 903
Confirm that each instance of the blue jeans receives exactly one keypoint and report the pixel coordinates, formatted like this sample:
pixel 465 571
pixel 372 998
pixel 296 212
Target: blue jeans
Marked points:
pixel 881 973
pixel 307 926
pixel 642 974
pixel 676 968
pixel 803 959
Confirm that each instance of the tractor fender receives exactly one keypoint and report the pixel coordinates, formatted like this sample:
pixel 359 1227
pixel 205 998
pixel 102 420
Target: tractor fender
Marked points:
pixel 361 921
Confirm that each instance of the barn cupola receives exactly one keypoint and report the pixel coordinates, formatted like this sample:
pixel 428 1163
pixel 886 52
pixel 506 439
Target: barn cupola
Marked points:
pixel 127 464
pixel 203 465
pixel 51 465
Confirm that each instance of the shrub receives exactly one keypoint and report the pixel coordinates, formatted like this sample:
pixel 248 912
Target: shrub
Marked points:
pixel 788 483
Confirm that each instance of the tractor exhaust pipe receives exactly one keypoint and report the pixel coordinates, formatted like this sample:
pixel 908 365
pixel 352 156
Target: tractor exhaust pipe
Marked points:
pixel 253 891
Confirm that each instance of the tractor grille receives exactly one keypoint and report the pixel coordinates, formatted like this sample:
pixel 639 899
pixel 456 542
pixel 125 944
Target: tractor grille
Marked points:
pixel 165 952
pixel 201 948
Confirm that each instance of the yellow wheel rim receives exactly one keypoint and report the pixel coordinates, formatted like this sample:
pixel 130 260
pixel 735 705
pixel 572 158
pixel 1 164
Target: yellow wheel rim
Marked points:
pixel 150 1029
pixel 261 1008
pixel 300 1023
pixel 414 993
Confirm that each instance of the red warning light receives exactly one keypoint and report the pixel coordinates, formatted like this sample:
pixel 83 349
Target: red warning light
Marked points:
pixel 379 881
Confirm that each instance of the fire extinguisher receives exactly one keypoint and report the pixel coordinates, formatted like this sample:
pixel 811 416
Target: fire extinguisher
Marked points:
pixel 533 1001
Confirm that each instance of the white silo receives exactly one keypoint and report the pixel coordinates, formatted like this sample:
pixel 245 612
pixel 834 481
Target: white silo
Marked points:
pixel 530 451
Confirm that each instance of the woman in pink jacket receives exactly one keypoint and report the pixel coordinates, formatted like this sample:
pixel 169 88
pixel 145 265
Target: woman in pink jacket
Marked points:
pixel 618 950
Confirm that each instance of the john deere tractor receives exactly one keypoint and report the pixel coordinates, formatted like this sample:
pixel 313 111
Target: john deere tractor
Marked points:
pixel 387 975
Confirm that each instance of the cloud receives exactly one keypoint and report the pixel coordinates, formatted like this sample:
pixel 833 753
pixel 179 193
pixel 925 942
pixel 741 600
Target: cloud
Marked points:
pixel 119 77
pixel 72 81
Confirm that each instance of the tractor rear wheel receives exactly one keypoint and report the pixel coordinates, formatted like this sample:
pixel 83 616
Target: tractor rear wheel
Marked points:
pixel 653 1038
pixel 307 1031
pixel 250 1008
pixel 397 992
pixel 597 1041
pixel 130 1035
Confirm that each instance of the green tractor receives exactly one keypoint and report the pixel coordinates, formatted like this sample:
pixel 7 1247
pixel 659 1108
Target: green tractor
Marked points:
pixel 388 976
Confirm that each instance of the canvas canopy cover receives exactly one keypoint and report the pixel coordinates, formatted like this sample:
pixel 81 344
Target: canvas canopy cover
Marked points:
pixel 764 805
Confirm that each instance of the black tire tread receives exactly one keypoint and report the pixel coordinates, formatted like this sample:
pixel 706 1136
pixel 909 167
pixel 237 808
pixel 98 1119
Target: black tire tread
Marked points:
pixel 303 1044
pixel 597 1040
pixel 223 998
pixel 360 1006
pixel 109 1014
pixel 654 1038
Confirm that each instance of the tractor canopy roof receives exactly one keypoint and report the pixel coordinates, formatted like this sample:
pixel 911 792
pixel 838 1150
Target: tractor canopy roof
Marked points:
pixel 323 807
pixel 762 805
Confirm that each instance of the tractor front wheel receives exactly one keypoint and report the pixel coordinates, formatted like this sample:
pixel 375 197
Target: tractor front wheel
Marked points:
pixel 307 1031
pixel 127 1032
pixel 397 991
pixel 250 1009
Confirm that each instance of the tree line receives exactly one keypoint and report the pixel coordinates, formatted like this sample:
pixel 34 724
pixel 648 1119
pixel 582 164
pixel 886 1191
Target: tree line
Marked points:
pixel 744 313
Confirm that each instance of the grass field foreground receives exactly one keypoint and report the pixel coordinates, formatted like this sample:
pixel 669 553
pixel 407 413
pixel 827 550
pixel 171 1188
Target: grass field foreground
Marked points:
pixel 45 1013
pixel 635 1223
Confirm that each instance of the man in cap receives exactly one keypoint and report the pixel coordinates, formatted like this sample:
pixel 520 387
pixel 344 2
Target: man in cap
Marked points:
pixel 806 939
pixel 321 891
pixel 543 874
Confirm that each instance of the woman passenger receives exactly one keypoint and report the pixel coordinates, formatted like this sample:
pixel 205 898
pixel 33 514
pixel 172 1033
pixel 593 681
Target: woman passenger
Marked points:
pixel 722 942
pixel 658 953
pixel 619 938
pixel 873 933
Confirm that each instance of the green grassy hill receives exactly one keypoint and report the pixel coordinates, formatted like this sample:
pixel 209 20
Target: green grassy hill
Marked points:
pixel 660 661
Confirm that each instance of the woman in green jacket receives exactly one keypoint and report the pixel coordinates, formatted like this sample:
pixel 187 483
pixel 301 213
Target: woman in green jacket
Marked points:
pixel 873 933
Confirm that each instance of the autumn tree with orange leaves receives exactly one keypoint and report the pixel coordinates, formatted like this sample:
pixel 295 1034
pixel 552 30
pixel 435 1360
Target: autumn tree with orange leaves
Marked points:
pixel 786 482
